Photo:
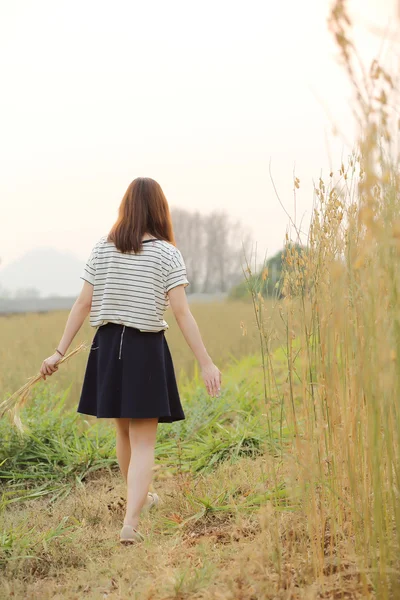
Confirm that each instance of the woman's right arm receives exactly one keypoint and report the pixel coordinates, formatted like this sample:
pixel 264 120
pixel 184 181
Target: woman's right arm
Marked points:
pixel 190 330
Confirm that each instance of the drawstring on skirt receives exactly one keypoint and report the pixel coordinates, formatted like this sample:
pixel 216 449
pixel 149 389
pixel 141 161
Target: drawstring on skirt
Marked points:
pixel 120 345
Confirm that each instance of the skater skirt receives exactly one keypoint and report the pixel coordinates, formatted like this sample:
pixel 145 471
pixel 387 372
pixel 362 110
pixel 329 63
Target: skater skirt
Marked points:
pixel 130 374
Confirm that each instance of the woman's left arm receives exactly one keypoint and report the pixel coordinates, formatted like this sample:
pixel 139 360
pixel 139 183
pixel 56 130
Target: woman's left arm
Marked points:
pixel 77 316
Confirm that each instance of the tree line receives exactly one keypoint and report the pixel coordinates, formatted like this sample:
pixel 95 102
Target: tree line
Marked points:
pixel 213 247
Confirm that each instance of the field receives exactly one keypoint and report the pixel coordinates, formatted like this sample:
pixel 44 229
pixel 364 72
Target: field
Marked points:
pixel 288 485
pixel 246 511
pixel 29 339
pixel 229 526
pixel 63 503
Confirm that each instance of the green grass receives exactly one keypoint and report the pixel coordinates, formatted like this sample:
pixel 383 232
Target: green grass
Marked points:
pixel 61 448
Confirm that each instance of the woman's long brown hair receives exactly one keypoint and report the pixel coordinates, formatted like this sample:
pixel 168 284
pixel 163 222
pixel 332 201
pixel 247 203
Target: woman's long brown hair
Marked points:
pixel 144 209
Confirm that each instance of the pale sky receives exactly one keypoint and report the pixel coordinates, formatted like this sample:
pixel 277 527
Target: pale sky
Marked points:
pixel 198 95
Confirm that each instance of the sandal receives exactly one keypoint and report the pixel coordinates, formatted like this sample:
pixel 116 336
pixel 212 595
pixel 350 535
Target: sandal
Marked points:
pixel 153 501
pixel 129 535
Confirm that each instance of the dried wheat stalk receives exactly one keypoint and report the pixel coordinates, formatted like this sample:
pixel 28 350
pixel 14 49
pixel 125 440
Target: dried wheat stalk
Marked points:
pixel 13 405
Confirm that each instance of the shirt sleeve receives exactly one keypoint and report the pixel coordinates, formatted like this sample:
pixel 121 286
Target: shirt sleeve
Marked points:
pixel 89 270
pixel 176 272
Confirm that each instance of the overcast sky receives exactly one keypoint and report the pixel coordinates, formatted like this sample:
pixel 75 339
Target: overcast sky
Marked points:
pixel 200 96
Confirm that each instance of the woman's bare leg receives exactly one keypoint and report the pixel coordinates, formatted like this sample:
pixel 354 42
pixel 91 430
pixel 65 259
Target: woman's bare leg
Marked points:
pixel 123 446
pixel 142 435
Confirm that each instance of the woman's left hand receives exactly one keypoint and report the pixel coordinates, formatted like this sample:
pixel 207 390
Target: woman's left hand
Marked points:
pixel 50 365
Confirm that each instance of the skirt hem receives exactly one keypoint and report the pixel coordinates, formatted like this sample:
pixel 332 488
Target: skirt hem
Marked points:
pixel 160 419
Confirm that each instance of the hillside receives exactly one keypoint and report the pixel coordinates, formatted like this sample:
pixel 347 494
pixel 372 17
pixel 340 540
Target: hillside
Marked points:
pixel 51 272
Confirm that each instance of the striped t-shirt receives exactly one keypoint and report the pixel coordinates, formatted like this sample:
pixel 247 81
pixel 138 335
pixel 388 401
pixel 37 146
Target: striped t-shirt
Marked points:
pixel 131 289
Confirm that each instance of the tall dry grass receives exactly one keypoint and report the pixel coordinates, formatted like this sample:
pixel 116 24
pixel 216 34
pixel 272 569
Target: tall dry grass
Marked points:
pixel 341 314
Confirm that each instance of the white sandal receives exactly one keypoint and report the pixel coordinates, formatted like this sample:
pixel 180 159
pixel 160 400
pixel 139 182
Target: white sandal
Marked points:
pixel 129 535
pixel 154 501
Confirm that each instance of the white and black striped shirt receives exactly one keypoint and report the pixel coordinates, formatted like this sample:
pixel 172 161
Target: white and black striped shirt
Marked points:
pixel 131 289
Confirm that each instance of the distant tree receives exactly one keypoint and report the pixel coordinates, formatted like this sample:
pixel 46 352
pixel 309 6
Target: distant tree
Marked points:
pixel 212 246
pixel 226 245
pixel 212 229
pixel 268 281
pixel 189 233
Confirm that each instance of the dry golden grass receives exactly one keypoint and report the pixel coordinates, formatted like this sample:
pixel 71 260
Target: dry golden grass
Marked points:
pixel 222 555
pixel 28 339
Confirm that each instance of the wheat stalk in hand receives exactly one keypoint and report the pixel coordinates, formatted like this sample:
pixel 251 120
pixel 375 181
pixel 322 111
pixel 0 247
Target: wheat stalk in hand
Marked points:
pixel 14 403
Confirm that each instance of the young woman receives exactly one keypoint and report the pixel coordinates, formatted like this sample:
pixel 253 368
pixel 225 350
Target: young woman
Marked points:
pixel 130 278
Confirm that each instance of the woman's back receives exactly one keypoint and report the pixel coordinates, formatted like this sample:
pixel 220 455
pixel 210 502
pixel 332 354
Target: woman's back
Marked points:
pixel 131 289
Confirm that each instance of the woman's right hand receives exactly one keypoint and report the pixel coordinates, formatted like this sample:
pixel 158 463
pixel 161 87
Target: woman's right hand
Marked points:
pixel 212 378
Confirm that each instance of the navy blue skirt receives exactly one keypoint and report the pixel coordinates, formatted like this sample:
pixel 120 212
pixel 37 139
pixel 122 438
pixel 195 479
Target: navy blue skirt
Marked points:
pixel 130 374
